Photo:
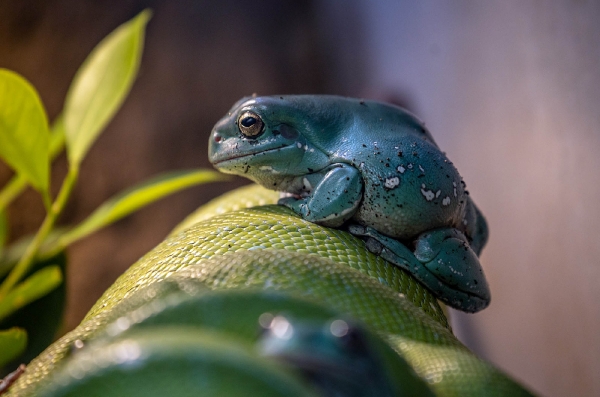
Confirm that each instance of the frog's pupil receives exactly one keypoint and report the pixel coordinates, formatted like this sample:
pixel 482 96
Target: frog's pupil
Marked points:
pixel 248 121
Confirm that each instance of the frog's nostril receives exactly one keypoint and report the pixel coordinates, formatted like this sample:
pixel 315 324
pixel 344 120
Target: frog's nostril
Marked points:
pixel 218 138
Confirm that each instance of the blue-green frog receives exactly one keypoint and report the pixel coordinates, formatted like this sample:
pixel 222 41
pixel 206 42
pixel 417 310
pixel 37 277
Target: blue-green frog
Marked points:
pixel 370 167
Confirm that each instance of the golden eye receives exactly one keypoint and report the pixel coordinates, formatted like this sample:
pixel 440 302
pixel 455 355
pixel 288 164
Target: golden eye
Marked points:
pixel 250 124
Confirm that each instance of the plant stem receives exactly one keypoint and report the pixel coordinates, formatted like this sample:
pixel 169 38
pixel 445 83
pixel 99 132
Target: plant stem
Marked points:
pixel 60 245
pixel 13 188
pixel 47 199
pixel 28 257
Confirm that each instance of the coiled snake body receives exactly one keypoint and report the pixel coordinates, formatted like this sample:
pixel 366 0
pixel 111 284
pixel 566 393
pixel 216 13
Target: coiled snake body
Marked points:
pixel 242 244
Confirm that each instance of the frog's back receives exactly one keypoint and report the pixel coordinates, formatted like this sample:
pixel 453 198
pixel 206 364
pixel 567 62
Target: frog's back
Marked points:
pixel 336 117
pixel 409 184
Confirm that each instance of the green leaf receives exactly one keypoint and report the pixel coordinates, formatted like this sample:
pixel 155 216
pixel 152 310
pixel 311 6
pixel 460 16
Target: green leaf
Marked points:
pixel 3 231
pixel 34 287
pixel 137 197
pixel 12 344
pixel 42 318
pixel 101 85
pixel 17 184
pixel 24 129
pixel 14 251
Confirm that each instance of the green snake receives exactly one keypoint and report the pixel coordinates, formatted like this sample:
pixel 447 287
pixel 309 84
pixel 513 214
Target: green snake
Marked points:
pixel 241 243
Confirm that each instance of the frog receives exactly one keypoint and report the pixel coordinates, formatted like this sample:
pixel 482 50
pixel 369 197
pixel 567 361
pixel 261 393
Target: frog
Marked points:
pixel 371 168
pixel 339 357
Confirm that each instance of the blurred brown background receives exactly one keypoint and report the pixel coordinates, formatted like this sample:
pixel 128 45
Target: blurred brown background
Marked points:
pixel 510 90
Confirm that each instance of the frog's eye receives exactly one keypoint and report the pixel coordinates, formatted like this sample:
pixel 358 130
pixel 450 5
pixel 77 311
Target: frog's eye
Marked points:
pixel 250 124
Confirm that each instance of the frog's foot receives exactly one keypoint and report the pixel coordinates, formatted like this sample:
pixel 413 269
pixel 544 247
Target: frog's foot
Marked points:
pixel 305 208
pixel 442 261
pixel 335 194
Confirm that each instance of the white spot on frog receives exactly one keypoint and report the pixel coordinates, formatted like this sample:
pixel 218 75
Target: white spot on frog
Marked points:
pixel 454 184
pixel 268 168
pixel 307 184
pixel 421 168
pixel 344 212
pixel 446 201
pixel 453 270
pixel 305 148
pixel 299 145
pixel 409 166
pixel 401 169
pixel 429 195
pixel 437 194
pixel 311 150
pixel 391 183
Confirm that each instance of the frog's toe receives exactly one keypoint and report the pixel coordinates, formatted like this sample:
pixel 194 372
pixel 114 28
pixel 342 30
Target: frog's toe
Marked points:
pixel 374 241
pixel 374 246
pixel 357 230
pixel 288 201
pixel 297 205
pixel 365 232
pixel 464 302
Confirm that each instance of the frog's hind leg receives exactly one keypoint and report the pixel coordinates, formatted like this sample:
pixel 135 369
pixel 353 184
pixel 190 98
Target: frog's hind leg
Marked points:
pixel 442 261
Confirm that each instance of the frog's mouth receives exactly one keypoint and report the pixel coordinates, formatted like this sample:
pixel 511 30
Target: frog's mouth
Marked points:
pixel 240 157
pixel 273 158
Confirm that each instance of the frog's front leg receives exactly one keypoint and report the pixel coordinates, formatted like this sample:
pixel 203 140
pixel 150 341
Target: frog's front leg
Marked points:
pixel 443 261
pixel 335 194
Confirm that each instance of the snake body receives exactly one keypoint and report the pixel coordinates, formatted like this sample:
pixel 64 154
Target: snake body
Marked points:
pixel 231 245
